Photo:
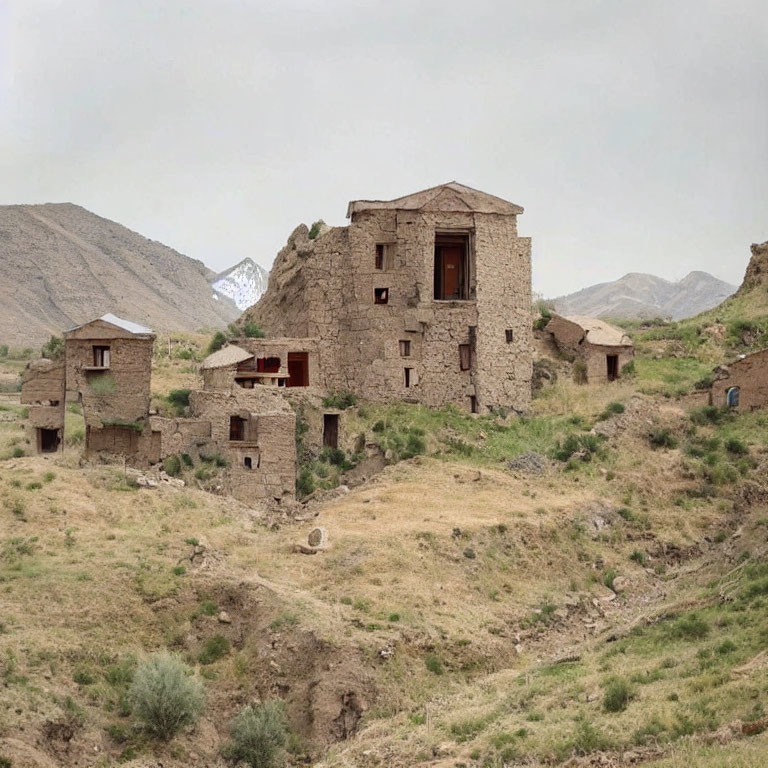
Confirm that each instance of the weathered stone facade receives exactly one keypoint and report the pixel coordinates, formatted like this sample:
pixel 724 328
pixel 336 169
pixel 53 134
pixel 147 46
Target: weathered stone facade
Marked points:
pixel 425 298
pixel 43 390
pixel 743 384
pixel 603 349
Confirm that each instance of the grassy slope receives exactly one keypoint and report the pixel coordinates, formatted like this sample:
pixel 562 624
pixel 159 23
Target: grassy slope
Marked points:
pixel 448 563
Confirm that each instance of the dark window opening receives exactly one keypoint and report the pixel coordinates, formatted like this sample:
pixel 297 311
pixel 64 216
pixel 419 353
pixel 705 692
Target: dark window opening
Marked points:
pixel 473 404
pixel 380 295
pixel 383 256
pixel 465 357
pixel 248 462
pixel 54 403
pixel 612 363
pixel 298 369
pixel 268 365
pixel 48 440
pixel 331 430
pixel 407 376
pixel 245 383
pixel 732 397
pixel 451 267
pixel 236 428
pixel 510 335
pixel 101 357
pixel 405 348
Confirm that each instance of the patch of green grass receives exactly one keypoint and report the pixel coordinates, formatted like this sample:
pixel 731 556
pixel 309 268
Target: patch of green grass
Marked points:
pixel 214 649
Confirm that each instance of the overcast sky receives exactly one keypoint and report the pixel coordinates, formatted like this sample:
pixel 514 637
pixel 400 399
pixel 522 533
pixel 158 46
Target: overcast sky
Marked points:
pixel 634 134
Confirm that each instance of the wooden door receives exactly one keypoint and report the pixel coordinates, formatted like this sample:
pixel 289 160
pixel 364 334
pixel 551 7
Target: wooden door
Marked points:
pixel 452 258
pixel 298 369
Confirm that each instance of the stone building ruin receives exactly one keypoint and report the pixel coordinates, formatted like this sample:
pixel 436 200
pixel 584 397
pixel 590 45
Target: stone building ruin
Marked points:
pixel 425 298
pixel 602 348
pixel 742 384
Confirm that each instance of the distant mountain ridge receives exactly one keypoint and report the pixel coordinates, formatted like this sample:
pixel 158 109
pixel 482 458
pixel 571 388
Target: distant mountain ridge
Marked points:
pixel 642 296
pixel 244 283
pixel 61 265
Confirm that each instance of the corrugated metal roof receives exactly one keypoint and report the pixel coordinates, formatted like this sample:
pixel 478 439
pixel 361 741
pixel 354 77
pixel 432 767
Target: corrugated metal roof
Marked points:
pixel 118 322
pixel 226 356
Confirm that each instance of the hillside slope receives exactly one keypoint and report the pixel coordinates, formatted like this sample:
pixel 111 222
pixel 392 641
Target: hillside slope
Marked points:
pixel 61 265
pixel 643 296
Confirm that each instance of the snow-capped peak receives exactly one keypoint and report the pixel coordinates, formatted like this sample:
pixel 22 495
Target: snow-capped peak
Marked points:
pixel 244 283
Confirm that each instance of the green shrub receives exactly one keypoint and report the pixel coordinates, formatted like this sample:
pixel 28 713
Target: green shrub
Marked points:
pixel 609 577
pixel 213 649
pixel 379 426
pixel 187 459
pixel 586 738
pixel 164 695
pixel 172 465
pixel 704 383
pixel 735 446
pixel 586 445
pixel 638 556
pixel 629 369
pixel 433 664
pixel 617 695
pixel 218 340
pixel 662 438
pixel 252 331
pixel 257 736
pixel 179 400
pixel 18 453
pixel 580 372
pixel 340 400
pixel 314 230
pixel 305 483
pixel 102 384
pixel 53 349
pixel 208 608
pixel 690 627
pixel 709 414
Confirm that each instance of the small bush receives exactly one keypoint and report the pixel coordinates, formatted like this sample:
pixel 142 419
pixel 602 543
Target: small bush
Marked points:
pixel 218 340
pixel 213 649
pixel 164 696
pixel 172 465
pixel 252 331
pixel 629 369
pixel 609 577
pixel 580 372
pixel 638 556
pixel 179 399
pixel 18 453
pixel 257 735
pixel 314 230
pixel 690 627
pixel 704 383
pixel 617 695
pixel 187 459
pixel 340 400
pixel 709 414
pixel 305 483
pixel 208 608
pixel 433 664
pixel 585 446
pixel 662 438
pixel 53 349
pixel 735 446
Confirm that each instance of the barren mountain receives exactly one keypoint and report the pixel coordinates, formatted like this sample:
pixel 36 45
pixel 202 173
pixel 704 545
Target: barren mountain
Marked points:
pixel 638 295
pixel 61 265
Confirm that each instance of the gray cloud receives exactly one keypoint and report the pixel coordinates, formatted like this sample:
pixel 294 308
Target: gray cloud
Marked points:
pixel 634 134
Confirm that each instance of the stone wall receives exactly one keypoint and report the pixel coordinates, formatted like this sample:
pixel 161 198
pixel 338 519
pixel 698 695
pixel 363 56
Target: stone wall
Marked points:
pixel 750 375
pixel 138 447
pixel 325 289
pixel 120 393
pixel 43 390
pixel 269 443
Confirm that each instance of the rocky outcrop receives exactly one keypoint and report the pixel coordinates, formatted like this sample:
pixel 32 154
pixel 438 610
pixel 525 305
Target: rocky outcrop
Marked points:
pixel 757 269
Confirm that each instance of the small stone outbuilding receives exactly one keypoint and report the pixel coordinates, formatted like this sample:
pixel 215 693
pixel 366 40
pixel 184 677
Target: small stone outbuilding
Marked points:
pixel 742 384
pixel 109 371
pixel 603 348
pixel 42 389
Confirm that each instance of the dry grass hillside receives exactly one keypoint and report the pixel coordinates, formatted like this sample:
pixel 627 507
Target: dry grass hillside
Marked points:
pixel 61 265
pixel 584 586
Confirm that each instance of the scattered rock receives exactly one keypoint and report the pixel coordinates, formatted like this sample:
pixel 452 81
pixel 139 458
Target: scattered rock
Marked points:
pixel 224 618
pixel 620 584
pixel 303 549
pixel 318 538
pixel 531 462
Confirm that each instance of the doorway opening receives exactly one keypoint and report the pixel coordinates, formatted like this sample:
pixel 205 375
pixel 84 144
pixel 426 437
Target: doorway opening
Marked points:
pixel 331 430
pixel 612 363
pixel 451 267
pixel 298 369
pixel 48 440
